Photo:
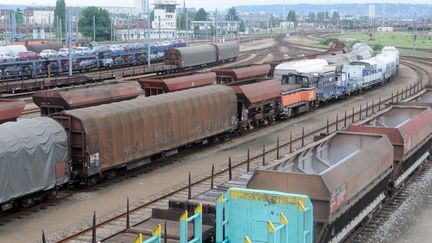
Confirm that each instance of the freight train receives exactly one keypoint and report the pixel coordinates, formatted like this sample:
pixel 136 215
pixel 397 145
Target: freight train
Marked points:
pixel 130 133
pixel 347 175
pixel 177 56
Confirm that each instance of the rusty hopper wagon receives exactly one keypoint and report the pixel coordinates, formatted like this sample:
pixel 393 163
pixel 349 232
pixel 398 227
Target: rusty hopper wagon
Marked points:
pixel 344 174
pixel 230 75
pixel 58 100
pixel 10 110
pixel 409 128
pixel 129 133
pixel 155 86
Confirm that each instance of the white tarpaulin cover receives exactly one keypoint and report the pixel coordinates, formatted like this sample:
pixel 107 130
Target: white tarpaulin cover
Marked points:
pixel 29 151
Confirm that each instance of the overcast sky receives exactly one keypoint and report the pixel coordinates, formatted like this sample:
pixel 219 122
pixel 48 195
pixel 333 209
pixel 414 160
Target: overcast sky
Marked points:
pixel 207 4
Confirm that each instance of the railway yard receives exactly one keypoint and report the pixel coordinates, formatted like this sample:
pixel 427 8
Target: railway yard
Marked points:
pixel 257 130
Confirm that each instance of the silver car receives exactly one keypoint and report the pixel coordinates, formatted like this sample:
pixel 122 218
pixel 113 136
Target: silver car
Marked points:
pixel 49 53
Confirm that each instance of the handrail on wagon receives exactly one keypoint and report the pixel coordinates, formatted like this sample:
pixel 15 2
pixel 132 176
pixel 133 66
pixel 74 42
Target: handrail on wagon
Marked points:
pixel 197 219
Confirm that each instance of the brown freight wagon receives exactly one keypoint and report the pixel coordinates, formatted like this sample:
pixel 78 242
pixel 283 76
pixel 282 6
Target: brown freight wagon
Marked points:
pixel 10 109
pixel 409 128
pixel 237 74
pixel 258 102
pixel 343 174
pixel 128 133
pixel 53 101
pixel 161 85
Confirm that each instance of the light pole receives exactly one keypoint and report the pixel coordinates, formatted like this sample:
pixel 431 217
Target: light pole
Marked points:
pixel 94 28
pixel 70 44
pixel 148 33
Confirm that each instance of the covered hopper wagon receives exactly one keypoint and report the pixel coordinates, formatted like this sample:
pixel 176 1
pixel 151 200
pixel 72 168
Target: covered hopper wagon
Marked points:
pixel 344 174
pixel 53 101
pixel 129 133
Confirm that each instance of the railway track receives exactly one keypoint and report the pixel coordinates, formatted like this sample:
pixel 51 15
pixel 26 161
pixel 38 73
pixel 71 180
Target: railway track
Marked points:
pixel 65 194
pixel 109 227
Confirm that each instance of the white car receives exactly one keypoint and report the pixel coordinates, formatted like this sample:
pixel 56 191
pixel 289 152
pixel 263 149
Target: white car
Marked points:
pixel 83 51
pixel 49 53
pixel 6 57
pixel 63 52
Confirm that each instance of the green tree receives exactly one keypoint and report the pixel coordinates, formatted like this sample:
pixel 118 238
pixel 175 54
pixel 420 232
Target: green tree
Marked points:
pixel 19 16
pixel 292 17
pixel 311 17
pixel 102 19
pixel 182 20
pixel 60 13
pixel 242 27
pixel 335 18
pixel 232 15
pixel 201 15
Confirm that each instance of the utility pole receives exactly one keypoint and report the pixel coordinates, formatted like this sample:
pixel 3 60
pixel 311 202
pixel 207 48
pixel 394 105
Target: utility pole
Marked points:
pixel 216 27
pixel 159 24
pixel 187 22
pixel 49 26
pixel 57 29
pixel 148 33
pixel 94 28
pixel 60 28
pixel 128 29
pixel 70 44
pixel 13 27
pixel 206 27
pixel 76 29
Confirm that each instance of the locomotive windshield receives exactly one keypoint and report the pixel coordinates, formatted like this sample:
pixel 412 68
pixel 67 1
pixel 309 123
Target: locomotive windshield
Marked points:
pixel 295 79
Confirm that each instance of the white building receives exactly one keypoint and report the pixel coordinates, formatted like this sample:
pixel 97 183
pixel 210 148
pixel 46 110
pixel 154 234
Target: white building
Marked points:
pixel 39 15
pixel 141 34
pixel 165 14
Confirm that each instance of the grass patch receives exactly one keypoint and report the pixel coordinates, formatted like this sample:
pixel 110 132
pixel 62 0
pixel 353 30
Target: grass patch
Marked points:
pixel 398 39
pixel 327 41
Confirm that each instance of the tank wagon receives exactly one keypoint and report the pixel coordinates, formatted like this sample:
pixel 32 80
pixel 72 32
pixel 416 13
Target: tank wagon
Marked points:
pixel 202 55
pixel 238 74
pixel 128 133
pixel 10 109
pixel 33 160
pixel 53 101
pixel 344 174
pixel 161 85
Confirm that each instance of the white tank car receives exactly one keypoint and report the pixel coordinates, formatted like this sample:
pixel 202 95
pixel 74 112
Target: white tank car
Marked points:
pixel 362 50
pixel 391 49
pixel 301 66
pixel 387 64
